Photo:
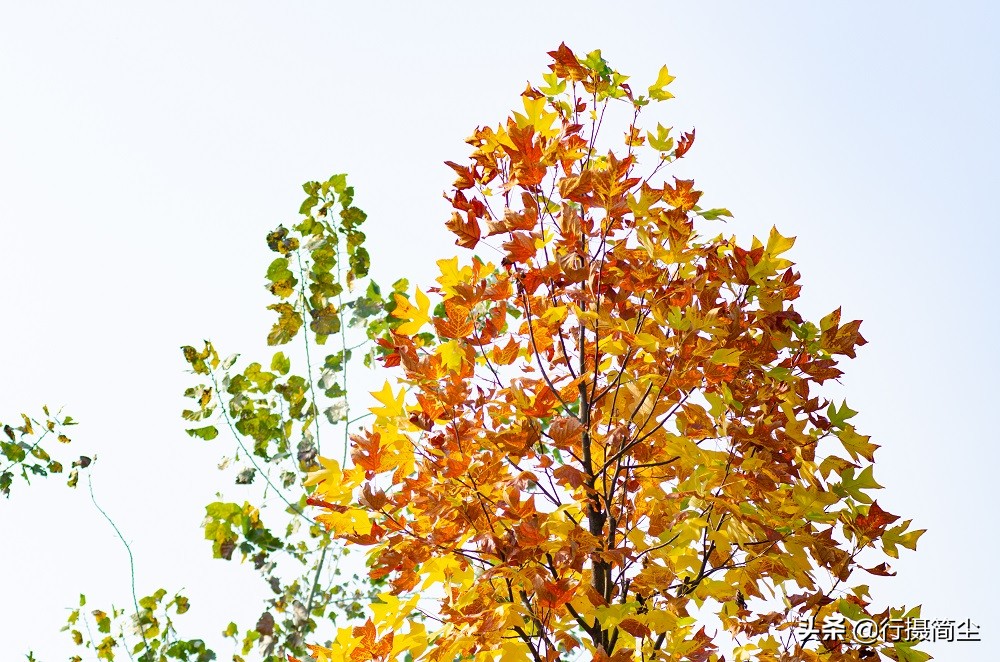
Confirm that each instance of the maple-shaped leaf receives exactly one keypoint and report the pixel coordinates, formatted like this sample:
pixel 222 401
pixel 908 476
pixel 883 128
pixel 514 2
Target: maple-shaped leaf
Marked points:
pixel 684 144
pixel 874 522
pixel 366 451
pixel 536 116
pixel 333 483
pixel 415 316
pixel 368 646
pixel 566 64
pixel 513 220
pixel 898 535
pixel 526 156
pixel 520 248
pixel 466 228
pixel 466 176
pixel 658 90
pixel 458 323
pixel 681 196
pixel 856 444
pixel 507 354
pixel 661 141
pixel 392 404
pixel 553 594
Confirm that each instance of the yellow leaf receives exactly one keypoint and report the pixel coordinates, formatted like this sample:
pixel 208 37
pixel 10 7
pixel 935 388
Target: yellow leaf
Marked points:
pixel 776 244
pixel 451 275
pixel 387 612
pixel 417 315
pixel 452 354
pixel 727 356
pixel 857 444
pixel 536 116
pixel 514 649
pixel 414 642
pixel 334 484
pixel 658 89
pixel 394 407
pixel 353 521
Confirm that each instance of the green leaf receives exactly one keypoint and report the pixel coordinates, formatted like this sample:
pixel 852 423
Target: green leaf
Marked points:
pixel 280 363
pixel 714 214
pixel 308 204
pixel 898 535
pixel 839 417
pixel 208 433
pixel 853 486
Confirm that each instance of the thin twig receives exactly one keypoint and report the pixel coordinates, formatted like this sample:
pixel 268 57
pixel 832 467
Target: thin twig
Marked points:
pixel 131 564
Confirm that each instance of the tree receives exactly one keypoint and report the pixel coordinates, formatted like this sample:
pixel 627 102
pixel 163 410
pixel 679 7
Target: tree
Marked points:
pixel 614 443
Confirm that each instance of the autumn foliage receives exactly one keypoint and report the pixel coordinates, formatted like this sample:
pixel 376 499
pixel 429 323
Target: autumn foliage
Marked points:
pixel 614 442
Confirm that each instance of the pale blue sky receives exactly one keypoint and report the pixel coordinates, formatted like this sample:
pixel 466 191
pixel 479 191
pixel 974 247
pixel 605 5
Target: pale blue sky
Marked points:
pixel 145 151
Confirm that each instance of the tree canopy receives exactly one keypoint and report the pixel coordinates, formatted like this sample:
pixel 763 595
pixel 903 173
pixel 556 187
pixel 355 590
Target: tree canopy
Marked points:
pixel 614 441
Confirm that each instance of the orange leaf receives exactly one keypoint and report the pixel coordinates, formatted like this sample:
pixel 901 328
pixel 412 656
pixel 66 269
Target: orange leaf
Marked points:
pixel 565 430
pixel 467 229
pixel 366 451
pixel 681 197
pixel 566 65
pixel 520 248
pixel 507 354
pixel 466 176
pixel 525 156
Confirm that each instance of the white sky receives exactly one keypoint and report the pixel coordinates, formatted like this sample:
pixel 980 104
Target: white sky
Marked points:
pixel 146 151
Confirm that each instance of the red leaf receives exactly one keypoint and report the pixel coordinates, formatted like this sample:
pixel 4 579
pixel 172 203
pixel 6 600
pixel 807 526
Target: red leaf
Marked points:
pixel 874 523
pixel 684 144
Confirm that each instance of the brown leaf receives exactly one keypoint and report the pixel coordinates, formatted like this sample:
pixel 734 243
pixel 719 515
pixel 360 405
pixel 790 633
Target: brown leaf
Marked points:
pixel 569 475
pixel 882 570
pixel 265 624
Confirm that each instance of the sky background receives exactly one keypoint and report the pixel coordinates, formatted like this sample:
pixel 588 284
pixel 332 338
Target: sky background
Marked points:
pixel 146 150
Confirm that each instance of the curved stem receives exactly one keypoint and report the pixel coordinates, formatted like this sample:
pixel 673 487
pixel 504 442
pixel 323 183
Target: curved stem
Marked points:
pixel 131 564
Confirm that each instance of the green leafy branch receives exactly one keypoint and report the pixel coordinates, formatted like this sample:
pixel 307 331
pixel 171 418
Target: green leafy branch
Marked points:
pixel 22 448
